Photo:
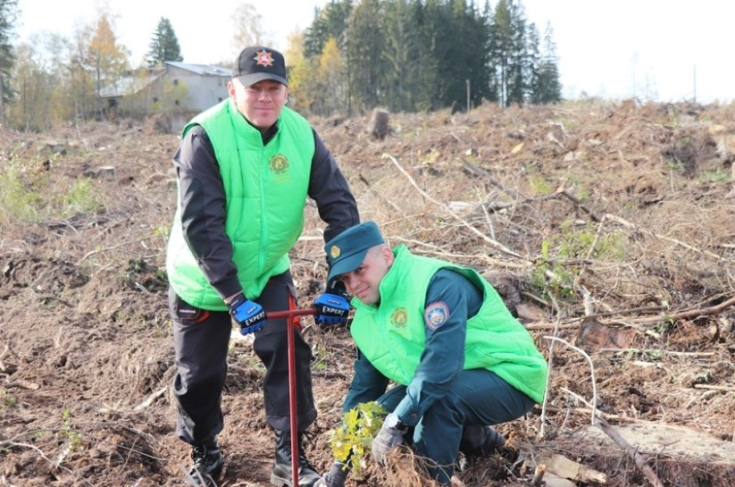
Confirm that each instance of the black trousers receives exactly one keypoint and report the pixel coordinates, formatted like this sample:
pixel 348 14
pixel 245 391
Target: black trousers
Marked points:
pixel 201 340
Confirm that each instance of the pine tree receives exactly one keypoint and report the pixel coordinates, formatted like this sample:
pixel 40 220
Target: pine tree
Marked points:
pixel 329 23
pixel 519 66
pixel 365 65
pixel 8 16
pixel 549 84
pixel 164 45
pixel 400 52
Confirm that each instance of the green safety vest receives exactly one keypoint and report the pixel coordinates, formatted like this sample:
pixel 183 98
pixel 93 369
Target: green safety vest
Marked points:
pixel 392 335
pixel 265 188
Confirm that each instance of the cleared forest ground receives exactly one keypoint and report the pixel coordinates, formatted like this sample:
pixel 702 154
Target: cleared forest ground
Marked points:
pixel 609 229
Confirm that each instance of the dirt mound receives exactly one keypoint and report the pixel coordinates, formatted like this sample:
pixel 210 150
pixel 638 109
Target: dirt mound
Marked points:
pixel 606 228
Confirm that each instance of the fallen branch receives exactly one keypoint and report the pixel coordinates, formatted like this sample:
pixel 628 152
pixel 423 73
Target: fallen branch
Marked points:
pixel 714 388
pixel 151 399
pixel 510 192
pixel 23 384
pixel 712 310
pixel 599 421
pixel 663 237
pixel 592 371
pixel 637 458
pixel 487 239
pixel 578 202
pixel 658 351
pixel 441 253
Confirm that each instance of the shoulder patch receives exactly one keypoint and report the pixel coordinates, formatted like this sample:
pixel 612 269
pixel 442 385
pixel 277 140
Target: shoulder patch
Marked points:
pixel 436 314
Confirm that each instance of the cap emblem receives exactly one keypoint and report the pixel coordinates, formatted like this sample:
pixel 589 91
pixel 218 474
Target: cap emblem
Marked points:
pixel 263 58
pixel 335 252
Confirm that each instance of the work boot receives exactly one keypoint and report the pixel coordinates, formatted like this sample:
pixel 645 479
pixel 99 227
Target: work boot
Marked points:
pixel 336 477
pixel 281 475
pixel 479 442
pixel 207 465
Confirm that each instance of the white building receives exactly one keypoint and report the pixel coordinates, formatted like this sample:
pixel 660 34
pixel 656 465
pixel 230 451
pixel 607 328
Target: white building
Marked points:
pixel 178 90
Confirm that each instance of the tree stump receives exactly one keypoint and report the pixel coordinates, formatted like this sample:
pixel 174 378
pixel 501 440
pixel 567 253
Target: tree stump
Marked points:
pixel 378 124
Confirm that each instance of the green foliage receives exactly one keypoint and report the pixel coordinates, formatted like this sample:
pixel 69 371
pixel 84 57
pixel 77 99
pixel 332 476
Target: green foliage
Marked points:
pixel 675 165
pixel 556 271
pixel 8 16
pixel 164 45
pixel 539 185
pixel 29 194
pixel 19 198
pixel 560 285
pixel 545 84
pixel 7 400
pixel 329 23
pixel 576 242
pixel 353 439
pixel 719 175
pixel 417 62
pixel 73 437
pixel 81 198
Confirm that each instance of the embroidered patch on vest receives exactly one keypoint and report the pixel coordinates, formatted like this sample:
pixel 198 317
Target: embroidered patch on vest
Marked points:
pixel 278 164
pixel 399 318
pixel 436 314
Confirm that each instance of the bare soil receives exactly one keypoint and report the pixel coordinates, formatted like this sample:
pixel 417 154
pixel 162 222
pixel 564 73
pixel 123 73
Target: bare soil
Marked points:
pixel 609 227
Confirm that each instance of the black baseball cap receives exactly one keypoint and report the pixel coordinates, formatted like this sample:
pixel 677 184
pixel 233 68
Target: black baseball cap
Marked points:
pixel 258 63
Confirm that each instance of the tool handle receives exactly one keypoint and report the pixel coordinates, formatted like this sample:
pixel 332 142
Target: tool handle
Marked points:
pixel 289 313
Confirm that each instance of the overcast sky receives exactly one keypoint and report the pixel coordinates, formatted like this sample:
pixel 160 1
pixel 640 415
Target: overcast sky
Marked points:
pixel 654 49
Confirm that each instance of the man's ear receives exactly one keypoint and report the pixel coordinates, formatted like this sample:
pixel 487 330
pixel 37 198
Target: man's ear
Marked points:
pixel 387 255
pixel 231 88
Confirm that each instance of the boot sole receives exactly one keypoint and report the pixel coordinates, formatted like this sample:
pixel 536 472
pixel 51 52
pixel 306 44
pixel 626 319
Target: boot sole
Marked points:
pixel 279 481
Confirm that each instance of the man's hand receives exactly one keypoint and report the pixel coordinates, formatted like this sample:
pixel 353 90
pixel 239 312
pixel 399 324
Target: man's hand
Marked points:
pixel 248 314
pixel 332 306
pixel 389 437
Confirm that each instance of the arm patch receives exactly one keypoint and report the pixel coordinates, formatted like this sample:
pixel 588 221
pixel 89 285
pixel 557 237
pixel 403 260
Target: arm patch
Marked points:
pixel 436 314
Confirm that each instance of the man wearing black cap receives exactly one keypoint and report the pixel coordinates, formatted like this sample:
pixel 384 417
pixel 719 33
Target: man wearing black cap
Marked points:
pixel 245 168
pixel 460 360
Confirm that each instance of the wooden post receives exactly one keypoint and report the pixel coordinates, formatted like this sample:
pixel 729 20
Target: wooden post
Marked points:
pixel 468 95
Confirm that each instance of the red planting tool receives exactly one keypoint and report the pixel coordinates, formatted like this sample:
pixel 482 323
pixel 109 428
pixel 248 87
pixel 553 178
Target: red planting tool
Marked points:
pixel 292 407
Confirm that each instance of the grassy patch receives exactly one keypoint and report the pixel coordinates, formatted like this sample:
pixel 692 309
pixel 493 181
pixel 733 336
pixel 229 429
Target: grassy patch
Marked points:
pixel 30 194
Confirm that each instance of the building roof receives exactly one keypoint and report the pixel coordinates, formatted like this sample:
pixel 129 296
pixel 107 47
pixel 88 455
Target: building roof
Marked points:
pixel 129 85
pixel 202 69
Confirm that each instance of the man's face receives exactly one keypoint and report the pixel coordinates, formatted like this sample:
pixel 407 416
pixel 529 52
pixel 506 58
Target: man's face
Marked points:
pixel 260 103
pixel 364 282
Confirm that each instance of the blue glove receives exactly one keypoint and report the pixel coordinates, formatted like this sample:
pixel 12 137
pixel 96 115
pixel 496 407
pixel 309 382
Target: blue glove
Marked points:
pixel 331 308
pixel 248 314
pixel 389 437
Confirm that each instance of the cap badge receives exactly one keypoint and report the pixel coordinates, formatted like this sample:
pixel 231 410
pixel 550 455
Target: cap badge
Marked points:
pixel 263 58
pixel 335 251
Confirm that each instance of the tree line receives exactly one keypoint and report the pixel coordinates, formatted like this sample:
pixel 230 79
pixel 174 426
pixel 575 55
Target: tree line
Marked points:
pixel 404 55
pixel 53 79
pixel 411 55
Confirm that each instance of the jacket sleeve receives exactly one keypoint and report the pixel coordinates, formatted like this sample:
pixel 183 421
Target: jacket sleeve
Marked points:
pixel 329 189
pixel 368 384
pixel 202 202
